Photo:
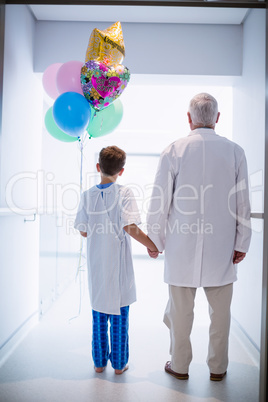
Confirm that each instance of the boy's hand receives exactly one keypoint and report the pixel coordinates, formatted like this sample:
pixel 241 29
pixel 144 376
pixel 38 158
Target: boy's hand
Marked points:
pixel 152 254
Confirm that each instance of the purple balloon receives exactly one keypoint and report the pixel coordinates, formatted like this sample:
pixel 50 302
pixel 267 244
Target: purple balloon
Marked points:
pixel 68 77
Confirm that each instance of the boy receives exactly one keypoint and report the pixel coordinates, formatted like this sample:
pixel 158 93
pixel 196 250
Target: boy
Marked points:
pixel 107 216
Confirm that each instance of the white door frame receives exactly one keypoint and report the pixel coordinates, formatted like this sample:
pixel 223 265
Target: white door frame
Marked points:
pixel 263 351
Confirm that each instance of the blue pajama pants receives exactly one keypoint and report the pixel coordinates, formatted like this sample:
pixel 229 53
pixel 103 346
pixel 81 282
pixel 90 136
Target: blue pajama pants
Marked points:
pixel 118 337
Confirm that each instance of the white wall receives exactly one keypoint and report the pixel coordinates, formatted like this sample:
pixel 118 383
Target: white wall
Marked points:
pixel 248 131
pixel 59 246
pixel 150 48
pixel 20 153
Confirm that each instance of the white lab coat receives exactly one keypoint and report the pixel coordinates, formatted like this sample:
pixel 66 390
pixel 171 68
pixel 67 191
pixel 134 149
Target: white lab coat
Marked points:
pixel 103 213
pixel 199 211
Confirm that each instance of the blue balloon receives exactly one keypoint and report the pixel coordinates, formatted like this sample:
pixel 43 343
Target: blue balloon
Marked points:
pixel 71 112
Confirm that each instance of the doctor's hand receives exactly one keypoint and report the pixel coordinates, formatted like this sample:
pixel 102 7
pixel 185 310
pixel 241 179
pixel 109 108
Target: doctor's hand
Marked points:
pixel 152 254
pixel 238 256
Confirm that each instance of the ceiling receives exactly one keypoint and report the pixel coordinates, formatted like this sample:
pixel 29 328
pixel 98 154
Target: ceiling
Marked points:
pixel 143 14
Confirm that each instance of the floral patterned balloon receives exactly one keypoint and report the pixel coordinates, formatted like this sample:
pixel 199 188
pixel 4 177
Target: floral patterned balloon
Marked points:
pixel 102 84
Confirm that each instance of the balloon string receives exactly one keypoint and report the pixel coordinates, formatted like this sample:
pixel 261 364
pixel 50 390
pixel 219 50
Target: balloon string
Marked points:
pixel 81 167
pixel 78 273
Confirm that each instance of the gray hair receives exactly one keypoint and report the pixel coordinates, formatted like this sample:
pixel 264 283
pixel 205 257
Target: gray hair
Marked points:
pixel 203 109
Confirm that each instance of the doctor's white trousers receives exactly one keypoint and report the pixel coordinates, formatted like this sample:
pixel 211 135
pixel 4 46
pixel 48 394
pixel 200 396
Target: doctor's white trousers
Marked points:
pixel 179 317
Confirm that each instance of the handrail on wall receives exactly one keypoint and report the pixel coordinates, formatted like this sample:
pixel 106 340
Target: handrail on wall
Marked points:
pixel 14 212
pixel 257 215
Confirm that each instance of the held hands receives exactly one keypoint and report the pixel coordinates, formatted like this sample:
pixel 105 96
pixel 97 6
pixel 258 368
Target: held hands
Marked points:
pixel 152 249
pixel 153 254
pixel 238 257
pixel 134 231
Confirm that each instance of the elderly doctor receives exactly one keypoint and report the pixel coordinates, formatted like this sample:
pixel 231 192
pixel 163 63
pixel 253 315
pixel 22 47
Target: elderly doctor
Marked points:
pixel 200 215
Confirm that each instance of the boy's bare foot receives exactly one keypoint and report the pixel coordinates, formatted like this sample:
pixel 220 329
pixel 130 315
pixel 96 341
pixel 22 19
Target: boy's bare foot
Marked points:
pixel 99 369
pixel 121 371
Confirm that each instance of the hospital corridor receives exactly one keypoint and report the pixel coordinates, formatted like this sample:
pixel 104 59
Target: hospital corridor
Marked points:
pixel 171 53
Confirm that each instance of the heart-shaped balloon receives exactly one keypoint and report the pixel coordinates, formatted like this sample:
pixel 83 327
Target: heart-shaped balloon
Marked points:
pixel 102 84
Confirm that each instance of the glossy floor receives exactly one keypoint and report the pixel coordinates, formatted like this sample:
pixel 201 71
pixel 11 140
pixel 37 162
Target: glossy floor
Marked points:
pixel 53 363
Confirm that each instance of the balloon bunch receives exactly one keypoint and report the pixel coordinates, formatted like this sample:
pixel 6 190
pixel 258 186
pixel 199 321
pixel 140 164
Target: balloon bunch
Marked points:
pixel 85 93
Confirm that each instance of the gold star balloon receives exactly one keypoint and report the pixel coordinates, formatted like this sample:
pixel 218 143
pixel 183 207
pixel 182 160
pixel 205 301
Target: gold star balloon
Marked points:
pixel 106 46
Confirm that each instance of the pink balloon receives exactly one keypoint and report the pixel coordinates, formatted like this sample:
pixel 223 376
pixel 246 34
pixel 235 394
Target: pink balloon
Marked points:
pixel 68 77
pixel 49 80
